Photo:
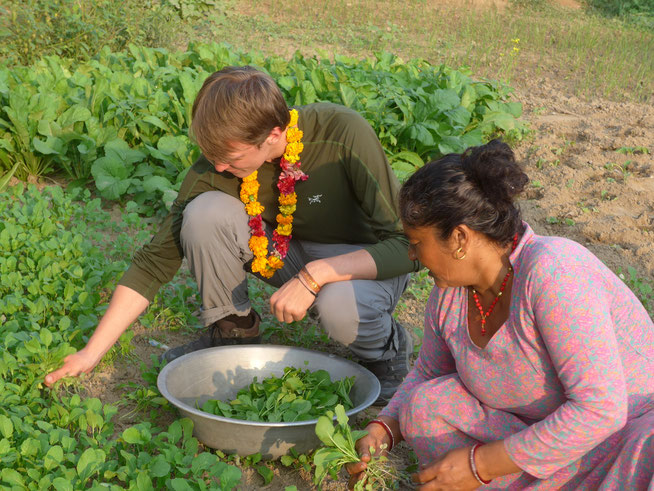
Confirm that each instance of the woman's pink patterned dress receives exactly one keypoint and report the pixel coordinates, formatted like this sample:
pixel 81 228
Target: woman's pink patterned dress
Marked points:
pixel 567 381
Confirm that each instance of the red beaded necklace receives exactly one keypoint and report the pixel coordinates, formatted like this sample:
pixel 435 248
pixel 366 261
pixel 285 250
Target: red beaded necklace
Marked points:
pixel 478 303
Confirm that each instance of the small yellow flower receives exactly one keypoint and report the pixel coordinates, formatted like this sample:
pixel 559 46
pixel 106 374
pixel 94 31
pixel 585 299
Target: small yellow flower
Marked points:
pixel 254 208
pixel 284 229
pixel 294 117
pixel 516 49
pixel 287 209
pixel 287 199
pixel 516 40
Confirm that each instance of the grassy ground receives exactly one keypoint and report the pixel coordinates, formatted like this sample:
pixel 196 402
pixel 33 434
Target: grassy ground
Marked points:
pixel 587 54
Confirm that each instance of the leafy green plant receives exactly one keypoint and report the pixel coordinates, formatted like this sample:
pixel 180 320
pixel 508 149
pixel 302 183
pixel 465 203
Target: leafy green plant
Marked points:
pixel 52 277
pixel 122 118
pixel 298 395
pixel 339 449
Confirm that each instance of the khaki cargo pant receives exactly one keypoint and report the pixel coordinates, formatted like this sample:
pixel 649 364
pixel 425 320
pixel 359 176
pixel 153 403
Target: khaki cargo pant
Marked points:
pixel 214 238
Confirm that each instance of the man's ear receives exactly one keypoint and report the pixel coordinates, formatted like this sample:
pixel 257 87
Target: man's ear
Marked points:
pixel 275 135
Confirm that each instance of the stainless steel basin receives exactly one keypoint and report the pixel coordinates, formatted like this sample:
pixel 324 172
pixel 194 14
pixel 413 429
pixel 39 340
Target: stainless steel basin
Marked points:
pixel 219 373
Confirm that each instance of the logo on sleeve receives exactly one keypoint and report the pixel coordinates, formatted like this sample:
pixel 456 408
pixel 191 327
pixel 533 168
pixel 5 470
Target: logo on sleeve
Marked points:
pixel 315 199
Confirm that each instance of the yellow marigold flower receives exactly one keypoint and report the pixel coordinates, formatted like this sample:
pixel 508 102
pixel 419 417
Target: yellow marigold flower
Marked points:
pixel 275 263
pixel 250 187
pixel 291 158
pixel 284 220
pixel 287 199
pixel 260 265
pixel 287 209
pixel 284 229
pixel 294 148
pixel 294 117
pixel 251 177
pixel 293 135
pixel 254 208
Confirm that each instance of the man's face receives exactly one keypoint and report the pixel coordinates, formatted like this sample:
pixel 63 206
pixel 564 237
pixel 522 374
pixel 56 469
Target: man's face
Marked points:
pixel 244 159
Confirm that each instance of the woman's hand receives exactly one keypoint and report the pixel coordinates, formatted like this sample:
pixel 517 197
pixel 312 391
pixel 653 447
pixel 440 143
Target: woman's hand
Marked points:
pixel 375 438
pixel 451 472
pixel 74 365
pixel 291 302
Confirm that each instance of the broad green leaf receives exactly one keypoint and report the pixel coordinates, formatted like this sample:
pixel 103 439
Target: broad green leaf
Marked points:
pixel 325 430
pixel 52 145
pixel 132 435
pixel 159 467
pixel 179 484
pixel 61 484
pixel 89 462
pixel 265 472
pixel 73 115
pixel 53 458
pixel 341 417
pixel 12 477
pixel 229 475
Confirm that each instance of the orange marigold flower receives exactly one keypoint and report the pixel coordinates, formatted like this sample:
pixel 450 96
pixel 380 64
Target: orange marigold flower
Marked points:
pixel 254 208
pixel 258 244
pixel 287 209
pixel 287 199
pixel 294 117
pixel 293 135
pixel 275 263
pixel 284 220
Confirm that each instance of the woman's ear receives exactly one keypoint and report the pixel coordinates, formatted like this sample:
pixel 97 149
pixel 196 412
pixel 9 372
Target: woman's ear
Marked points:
pixel 461 237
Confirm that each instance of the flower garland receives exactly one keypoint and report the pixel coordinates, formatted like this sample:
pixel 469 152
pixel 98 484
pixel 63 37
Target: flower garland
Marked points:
pixel 265 264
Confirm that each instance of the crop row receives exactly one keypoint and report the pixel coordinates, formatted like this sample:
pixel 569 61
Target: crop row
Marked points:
pixel 122 119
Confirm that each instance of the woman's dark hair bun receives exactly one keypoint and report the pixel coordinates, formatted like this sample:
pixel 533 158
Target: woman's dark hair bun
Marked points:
pixel 475 188
pixel 493 169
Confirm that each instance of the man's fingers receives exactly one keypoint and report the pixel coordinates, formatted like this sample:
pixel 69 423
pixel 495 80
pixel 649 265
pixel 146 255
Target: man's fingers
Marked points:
pixel 52 377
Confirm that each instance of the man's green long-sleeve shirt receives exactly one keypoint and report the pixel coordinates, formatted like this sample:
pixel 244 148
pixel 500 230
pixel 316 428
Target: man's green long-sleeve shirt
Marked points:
pixel 349 197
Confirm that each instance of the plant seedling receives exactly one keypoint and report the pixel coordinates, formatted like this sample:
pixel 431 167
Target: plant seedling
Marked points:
pixel 339 449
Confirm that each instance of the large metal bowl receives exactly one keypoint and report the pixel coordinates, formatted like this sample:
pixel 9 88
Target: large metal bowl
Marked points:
pixel 219 373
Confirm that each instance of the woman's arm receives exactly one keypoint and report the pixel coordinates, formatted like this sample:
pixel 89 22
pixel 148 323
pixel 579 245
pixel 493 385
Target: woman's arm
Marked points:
pixel 434 360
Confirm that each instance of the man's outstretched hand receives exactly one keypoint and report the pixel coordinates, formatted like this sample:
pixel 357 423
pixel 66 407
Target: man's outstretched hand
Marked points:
pixel 74 365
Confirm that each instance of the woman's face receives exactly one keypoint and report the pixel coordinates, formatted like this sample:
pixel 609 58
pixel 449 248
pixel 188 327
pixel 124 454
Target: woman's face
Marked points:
pixel 436 255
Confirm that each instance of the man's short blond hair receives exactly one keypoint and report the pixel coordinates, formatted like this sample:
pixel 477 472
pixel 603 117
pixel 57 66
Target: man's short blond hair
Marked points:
pixel 236 105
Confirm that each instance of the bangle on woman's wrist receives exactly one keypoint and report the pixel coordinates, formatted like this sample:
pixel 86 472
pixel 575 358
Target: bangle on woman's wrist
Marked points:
pixel 305 285
pixel 473 466
pixel 310 282
pixel 387 429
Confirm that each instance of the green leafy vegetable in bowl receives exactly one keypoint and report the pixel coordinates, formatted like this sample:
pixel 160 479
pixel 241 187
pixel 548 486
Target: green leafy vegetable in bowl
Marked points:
pixel 298 395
